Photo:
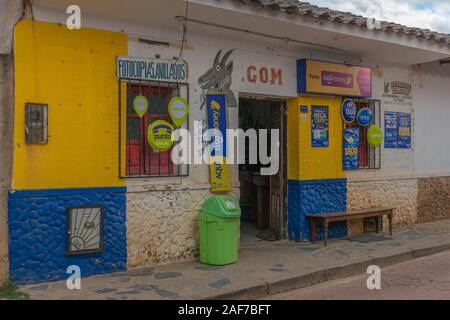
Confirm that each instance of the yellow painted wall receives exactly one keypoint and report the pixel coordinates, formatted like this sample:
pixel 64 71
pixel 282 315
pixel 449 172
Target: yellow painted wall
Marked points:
pixel 304 161
pixel 74 72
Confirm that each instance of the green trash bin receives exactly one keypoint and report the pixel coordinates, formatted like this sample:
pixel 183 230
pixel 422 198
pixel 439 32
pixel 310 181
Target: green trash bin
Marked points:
pixel 219 222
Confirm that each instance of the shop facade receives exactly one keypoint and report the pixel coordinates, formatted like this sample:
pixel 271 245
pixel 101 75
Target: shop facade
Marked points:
pixel 88 188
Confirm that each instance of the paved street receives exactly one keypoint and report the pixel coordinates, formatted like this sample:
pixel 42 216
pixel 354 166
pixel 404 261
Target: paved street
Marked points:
pixel 264 269
pixel 425 278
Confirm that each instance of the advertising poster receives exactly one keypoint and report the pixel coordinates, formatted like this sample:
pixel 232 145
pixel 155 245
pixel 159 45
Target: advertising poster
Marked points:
pixel 390 130
pixel 220 173
pixel 319 127
pixel 404 130
pixel 351 149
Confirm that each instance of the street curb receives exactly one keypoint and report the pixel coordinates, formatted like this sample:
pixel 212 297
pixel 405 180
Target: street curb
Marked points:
pixel 328 274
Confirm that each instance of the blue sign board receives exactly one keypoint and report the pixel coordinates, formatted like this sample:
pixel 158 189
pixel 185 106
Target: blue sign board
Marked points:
pixel 351 149
pixel 217 120
pixel 349 111
pixel 390 130
pixel 319 127
pixel 365 117
pixel 404 130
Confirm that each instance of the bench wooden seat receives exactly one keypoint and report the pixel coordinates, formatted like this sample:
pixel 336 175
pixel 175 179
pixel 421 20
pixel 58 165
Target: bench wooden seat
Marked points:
pixel 326 218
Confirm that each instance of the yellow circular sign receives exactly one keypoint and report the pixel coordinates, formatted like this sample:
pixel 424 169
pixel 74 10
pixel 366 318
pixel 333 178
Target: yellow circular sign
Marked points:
pixel 160 135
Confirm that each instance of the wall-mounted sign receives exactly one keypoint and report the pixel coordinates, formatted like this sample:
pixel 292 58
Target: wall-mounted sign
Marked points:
pixel 319 126
pixel 178 110
pixel 220 173
pixel 160 135
pixel 397 130
pixel 351 149
pixel 397 90
pixel 151 69
pixel 140 105
pixel 364 117
pixel 349 111
pixel 404 130
pixel 390 130
pixel 374 136
pixel 265 75
pixel 330 78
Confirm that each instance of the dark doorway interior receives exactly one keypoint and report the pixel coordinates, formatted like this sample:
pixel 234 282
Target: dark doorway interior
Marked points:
pixel 263 198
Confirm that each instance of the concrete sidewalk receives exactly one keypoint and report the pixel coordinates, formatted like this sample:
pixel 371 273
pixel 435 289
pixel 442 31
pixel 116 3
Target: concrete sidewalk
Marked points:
pixel 262 269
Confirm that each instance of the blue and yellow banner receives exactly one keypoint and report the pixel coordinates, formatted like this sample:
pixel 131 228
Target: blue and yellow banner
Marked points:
pixel 220 173
pixel 317 77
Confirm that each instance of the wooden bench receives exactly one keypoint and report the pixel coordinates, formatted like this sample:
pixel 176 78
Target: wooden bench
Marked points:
pixel 326 218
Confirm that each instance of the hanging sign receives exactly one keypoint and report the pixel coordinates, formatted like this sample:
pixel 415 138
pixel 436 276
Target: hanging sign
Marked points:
pixel 404 130
pixel 178 110
pixel 140 105
pixel 220 173
pixel 319 127
pixel 364 117
pixel 349 111
pixel 319 77
pixel 390 130
pixel 160 135
pixel 351 149
pixel 151 69
pixel 374 136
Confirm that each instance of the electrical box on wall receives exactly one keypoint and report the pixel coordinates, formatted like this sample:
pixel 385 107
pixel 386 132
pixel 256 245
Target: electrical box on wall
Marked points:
pixel 36 123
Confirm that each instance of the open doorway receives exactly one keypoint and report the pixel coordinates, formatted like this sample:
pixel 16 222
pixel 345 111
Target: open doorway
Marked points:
pixel 263 199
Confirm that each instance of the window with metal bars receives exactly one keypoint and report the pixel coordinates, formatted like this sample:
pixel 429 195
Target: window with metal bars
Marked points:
pixel 369 157
pixel 141 159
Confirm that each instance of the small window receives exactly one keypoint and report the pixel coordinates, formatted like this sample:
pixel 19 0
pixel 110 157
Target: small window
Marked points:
pixel 369 157
pixel 36 123
pixel 85 230
pixel 141 159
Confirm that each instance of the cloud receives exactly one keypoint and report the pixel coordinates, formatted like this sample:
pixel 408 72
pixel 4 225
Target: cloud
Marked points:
pixel 433 15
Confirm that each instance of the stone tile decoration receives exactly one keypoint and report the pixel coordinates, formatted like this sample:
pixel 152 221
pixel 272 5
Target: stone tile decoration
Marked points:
pixel 315 196
pixel 38 228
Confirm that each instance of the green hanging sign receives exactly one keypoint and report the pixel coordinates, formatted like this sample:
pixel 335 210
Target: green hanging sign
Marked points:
pixel 160 135
pixel 178 110
pixel 140 105
pixel 374 136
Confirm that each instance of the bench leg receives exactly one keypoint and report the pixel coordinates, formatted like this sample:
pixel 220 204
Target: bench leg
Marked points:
pixel 325 232
pixel 390 223
pixel 313 228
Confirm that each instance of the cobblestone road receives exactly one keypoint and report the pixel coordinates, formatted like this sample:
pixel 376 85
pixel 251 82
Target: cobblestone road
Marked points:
pixel 425 278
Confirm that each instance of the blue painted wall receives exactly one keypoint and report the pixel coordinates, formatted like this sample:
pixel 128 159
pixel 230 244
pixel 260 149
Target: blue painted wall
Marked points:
pixel 38 233
pixel 315 196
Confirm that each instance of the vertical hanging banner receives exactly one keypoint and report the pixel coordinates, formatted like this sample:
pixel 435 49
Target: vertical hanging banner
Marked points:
pixel 319 127
pixel 351 149
pixel 404 130
pixel 390 130
pixel 220 173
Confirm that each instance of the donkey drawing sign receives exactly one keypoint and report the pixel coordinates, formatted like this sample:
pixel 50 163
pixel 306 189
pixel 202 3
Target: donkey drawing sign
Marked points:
pixel 218 79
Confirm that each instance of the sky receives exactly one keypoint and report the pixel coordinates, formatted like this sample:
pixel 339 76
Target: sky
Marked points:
pixel 427 14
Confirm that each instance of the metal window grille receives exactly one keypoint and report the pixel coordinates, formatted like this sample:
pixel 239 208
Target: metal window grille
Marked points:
pixel 36 123
pixel 369 157
pixel 85 230
pixel 142 161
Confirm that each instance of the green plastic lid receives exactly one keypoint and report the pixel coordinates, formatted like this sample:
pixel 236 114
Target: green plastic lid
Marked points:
pixel 222 206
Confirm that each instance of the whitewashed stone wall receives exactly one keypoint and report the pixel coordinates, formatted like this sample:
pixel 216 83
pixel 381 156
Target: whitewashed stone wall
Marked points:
pixel 399 194
pixel 162 224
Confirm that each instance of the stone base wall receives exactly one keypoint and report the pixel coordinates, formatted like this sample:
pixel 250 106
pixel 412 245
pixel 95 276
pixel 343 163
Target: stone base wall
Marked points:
pixel 399 194
pixel 38 231
pixel 315 196
pixel 433 199
pixel 162 225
